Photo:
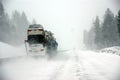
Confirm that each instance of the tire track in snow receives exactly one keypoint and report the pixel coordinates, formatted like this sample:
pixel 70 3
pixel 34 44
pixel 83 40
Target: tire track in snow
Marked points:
pixel 89 70
pixel 86 72
pixel 71 69
pixel 57 73
pixel 47 70
pixel 80 74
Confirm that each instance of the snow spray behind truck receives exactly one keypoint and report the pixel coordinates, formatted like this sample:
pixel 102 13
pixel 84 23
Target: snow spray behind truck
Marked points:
pixel 40 41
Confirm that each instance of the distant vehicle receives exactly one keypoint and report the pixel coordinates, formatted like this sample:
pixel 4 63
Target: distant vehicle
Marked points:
pixel 40 41
pixel 36 39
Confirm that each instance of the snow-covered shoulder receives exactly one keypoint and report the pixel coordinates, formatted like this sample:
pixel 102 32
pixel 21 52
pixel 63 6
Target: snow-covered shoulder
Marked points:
pixel 7 51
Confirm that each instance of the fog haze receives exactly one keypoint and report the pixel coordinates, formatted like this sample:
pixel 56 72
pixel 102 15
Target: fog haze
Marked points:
pixel 65 18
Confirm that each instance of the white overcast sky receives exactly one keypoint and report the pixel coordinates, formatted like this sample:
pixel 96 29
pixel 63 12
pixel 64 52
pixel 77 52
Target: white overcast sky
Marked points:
pixel 65 18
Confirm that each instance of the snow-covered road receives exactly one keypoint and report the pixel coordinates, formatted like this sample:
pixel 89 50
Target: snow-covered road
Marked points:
pixel 69 65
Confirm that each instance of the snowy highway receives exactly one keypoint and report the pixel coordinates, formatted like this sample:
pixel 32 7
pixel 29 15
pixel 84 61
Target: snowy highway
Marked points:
pixel 69 65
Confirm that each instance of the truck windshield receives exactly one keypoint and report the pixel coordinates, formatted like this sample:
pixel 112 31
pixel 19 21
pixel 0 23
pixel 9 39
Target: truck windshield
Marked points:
pixel 36 39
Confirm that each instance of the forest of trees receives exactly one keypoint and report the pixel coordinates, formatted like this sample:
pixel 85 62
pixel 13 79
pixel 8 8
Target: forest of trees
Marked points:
pixel 103 34
pixel 13 28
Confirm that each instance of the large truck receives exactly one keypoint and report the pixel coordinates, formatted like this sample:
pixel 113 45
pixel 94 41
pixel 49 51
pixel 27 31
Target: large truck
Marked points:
pixel 51 43
pixel 40 41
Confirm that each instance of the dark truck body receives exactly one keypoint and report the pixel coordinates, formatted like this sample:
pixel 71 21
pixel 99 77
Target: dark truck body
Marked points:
pixel 40 41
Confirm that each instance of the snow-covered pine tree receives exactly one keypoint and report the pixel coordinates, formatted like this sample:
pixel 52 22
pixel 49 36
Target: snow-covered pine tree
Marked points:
pixel 118 18
pixel 109 30
pixel 98 34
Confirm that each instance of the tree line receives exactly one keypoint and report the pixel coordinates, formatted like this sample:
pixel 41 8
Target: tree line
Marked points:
pixel 13 28
pixel 104 33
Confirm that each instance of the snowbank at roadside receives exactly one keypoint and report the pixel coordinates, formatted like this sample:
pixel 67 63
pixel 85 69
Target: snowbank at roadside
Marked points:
pixel 112 50
pixel 7 51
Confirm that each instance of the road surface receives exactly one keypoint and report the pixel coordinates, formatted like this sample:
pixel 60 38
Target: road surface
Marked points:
pixel 69 65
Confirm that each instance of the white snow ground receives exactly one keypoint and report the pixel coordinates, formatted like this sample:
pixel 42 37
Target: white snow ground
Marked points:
pixel 7 51
pixel 69 65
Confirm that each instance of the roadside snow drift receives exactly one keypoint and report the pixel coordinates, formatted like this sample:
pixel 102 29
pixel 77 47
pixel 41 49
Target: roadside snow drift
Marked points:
pixel 111 50
pixel 7 51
